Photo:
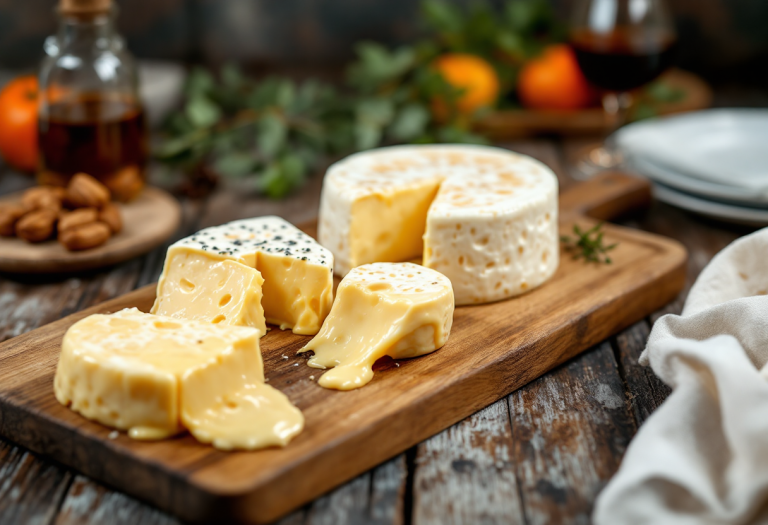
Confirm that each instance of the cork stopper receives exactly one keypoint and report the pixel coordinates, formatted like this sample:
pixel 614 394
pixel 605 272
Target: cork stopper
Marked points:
pixel 84 7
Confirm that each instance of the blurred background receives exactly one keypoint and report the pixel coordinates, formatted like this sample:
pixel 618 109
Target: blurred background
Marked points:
pixel 725 41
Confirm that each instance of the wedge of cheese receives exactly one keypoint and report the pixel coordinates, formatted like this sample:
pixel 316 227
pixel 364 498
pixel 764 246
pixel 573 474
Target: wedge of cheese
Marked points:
pixel 484 217
pixel 198 286
pixel 399 310
pixel 271 264
pixel 154 376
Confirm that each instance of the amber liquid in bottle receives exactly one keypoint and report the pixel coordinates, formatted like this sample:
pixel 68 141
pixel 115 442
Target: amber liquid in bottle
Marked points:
pixel 103 135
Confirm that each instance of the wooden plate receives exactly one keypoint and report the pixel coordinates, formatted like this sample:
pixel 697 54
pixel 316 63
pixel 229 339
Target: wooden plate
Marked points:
pixel 493 349
pixel 517 123
pixel 147 222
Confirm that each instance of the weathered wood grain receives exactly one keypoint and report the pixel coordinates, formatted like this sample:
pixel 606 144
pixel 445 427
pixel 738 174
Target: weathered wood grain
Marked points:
pixel 383 426
pixel 465 474
pixel 569 429
pixel 89 503
pixel 373 498
pixel 644 390
pixel 30 489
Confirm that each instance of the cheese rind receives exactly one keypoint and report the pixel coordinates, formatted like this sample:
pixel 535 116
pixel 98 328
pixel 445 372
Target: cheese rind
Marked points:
pixel 196 285
pixel 154 376
pixel 297 271
pixel 399 310
pixel 491 228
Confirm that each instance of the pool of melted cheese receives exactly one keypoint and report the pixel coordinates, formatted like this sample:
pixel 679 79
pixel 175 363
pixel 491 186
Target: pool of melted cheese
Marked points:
pixel 399 310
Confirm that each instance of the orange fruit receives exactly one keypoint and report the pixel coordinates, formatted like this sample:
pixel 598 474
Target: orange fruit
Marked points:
pixel 554 81
pixel 474 75
pixel 18 123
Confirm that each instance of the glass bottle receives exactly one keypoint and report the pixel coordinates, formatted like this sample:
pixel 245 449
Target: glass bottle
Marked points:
pixel 91 118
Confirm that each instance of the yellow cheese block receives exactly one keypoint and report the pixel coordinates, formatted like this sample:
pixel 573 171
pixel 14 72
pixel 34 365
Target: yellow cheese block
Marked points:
pixel 154 376
pixel 297 274
pixel 195 285
pixel 399 310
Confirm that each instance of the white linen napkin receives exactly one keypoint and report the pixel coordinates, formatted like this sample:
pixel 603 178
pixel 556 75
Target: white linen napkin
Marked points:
pixel 702 456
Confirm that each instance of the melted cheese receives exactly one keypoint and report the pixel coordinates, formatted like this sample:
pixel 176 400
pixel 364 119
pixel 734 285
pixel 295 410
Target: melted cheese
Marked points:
pixel 491 227
pixel 154 376
pixel 297 272
pixel 399 310
pixel 195 285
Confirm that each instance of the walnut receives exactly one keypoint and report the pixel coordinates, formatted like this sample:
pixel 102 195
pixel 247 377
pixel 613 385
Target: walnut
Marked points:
pixel 72 219
pixel 42 197
pixel 36 226
pixel 85 236
pixel 125 184
pixel 110 215
pixel 86 192
pixel 10 212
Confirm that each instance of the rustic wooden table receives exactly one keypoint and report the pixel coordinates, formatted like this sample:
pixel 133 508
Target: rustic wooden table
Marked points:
pixel 540 455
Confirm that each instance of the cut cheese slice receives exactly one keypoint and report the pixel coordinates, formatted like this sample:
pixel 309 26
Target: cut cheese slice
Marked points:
pixel 297 272
pixel 197 286
pixel 488 216
pixel 399 310
pixel 154 376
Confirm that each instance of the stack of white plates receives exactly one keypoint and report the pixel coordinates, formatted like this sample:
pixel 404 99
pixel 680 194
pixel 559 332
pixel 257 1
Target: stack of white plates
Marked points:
pixel 712 162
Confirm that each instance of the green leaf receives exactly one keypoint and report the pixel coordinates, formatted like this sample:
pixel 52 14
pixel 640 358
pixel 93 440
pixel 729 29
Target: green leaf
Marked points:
pixel 442 16
pixel 176 145
pixel 520 15
pixel 199 82
pixel 231 76
pixel 281 176
pixel 202 112
pixel 411 121
pixel 377 65
pixel 235 164
pixel 272 134
pixel 512 44
pixel 372 115
pixel 661 91
pixel 643 110
pixel 285 93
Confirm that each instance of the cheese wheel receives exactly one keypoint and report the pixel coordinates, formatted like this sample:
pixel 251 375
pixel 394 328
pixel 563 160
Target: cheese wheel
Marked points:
pixel 484 217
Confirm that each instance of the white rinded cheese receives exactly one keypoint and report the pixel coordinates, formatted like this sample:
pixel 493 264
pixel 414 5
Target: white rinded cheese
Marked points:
pixel 383 309
pixel 488 216
pixel 154 376
pixel 297 272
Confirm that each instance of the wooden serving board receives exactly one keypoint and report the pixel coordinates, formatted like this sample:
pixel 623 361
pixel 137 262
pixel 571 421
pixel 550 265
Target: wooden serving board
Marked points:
pixel 147 221
pixel 515 123
pixel 493 350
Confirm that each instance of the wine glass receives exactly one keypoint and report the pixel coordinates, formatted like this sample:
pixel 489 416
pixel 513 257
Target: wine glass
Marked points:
pixel 620 45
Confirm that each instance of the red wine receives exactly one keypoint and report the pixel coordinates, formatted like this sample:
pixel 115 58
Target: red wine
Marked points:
pixel 623 59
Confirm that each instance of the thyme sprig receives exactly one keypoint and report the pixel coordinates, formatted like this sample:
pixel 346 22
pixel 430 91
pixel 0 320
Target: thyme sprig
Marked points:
pixel 588 244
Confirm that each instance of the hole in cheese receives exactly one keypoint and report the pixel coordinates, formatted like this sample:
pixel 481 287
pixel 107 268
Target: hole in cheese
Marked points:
pixel 378 287
pixel 166 325
pixel 186 285
pixel 225 300
pixel 219 318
